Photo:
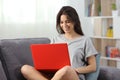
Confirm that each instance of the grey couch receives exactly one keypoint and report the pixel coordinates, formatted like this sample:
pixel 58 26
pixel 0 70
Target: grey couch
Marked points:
pixel 16 52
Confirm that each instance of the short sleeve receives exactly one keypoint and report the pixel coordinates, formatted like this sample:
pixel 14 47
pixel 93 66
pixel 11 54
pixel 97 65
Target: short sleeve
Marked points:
pixel 57 39
pixel 89 48
pixel 52 40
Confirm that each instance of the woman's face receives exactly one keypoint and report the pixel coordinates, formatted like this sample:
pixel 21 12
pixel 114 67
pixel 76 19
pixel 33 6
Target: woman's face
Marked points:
pixel 66 24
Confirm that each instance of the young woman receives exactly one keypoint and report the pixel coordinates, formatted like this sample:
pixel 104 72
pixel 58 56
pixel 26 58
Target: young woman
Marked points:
pixel 81 50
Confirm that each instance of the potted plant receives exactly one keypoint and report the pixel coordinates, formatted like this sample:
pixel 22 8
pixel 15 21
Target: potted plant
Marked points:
pixel 114 6
pixel 114 10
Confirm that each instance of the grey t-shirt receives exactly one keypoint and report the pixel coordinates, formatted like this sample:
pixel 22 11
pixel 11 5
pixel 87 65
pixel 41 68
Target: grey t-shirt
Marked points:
pixel 79 49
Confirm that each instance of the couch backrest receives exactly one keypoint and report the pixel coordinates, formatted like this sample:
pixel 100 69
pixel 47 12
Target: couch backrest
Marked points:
pixel 16 52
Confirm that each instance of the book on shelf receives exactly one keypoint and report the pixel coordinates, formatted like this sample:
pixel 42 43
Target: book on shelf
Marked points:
pixel 112 52
pixel 90 8
pixel 112 63
pixel 103 62
pixel 118 64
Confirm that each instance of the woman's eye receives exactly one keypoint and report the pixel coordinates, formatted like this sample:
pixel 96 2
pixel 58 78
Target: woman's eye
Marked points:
pixel 68 21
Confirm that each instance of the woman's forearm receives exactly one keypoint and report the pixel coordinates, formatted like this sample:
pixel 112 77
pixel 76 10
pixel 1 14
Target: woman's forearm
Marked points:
pixel 85 69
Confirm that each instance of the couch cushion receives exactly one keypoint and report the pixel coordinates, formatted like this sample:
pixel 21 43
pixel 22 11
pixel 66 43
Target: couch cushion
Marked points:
pixel 16 52
pixel 94 75
pixel 109 73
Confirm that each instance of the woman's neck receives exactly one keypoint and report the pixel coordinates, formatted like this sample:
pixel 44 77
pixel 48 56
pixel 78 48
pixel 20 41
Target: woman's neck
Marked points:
pixel 72 36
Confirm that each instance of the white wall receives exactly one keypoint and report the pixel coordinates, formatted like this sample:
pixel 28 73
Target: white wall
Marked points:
pixel 86 24
pixel 45 25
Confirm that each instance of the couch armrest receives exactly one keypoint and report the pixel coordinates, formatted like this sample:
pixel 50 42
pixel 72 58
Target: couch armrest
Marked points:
pixel 109 73
pixel 2 74
pixel 16 52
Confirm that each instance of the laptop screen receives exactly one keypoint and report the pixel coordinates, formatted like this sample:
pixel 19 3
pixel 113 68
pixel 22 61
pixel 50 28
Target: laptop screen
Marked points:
pixel 50 56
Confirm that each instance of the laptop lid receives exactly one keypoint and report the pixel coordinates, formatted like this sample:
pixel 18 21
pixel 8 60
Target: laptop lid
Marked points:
pixel 50 57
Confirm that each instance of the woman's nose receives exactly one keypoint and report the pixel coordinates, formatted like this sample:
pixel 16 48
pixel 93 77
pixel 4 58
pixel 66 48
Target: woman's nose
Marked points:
pixel 64 24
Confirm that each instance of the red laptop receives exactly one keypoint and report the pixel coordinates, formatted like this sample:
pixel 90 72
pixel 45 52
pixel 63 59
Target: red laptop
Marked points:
pixel 50 57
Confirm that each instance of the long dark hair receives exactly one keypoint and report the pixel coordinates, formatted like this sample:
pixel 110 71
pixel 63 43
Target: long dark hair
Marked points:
pixel 72 15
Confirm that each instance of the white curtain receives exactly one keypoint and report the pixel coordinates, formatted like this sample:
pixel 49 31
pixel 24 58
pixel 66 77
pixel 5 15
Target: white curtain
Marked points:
pixel 28 18
pixel 19 11
pixel 34 18
pixel 28 11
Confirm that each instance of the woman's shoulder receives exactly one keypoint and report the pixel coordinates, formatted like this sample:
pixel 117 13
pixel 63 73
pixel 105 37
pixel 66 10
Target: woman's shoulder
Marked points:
pixel 56 38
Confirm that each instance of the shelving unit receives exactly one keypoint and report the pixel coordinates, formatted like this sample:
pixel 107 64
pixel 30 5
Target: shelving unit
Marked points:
pixel 101 43
pixel 101 25
pixel 102 19
pixel 100 7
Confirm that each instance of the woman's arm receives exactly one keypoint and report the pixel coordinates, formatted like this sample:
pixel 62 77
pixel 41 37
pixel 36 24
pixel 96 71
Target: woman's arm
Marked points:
pixel 91 67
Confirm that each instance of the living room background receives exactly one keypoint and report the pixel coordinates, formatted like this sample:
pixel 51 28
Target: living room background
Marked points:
pixel 35 18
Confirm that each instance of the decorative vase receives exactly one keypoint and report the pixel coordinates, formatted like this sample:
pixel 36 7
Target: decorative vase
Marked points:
pixel 114 12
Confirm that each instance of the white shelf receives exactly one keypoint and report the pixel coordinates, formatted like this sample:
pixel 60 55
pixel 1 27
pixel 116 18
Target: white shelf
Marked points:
pixel 108 58
pixel 99 17
pixel 99 37
pixel 100 25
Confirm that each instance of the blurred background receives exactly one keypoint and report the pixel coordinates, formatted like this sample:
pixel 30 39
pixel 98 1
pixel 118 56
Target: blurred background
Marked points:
pixel 36 18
